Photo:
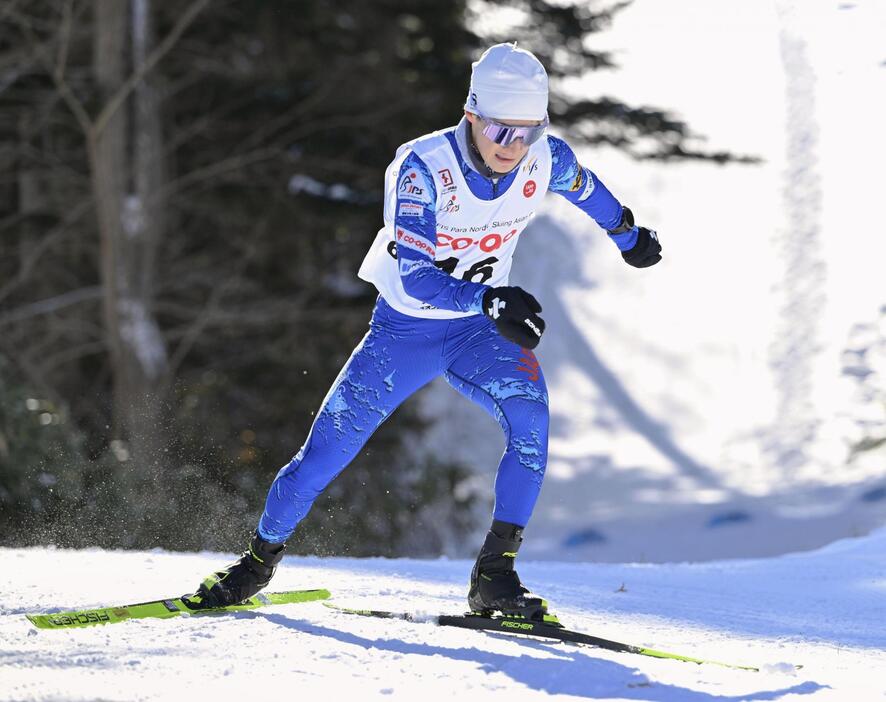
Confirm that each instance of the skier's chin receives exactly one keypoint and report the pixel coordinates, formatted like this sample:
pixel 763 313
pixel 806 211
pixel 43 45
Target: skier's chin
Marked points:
pixel 504 164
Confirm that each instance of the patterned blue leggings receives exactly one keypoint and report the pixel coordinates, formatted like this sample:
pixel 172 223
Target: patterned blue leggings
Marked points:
pixel 399 355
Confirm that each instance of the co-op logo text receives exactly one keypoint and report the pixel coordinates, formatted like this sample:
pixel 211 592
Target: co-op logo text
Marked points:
pixel 490 242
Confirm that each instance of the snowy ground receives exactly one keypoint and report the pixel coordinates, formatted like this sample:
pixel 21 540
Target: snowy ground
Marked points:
pixel 823 609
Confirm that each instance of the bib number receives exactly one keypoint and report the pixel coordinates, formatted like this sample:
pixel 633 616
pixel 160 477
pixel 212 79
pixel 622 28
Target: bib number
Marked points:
pixel 481 269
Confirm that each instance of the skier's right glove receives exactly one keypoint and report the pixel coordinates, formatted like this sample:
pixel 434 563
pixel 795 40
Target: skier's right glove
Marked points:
pixel 515 313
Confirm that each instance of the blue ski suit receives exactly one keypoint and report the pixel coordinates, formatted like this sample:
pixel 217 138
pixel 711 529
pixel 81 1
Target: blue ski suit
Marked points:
pixel 401 353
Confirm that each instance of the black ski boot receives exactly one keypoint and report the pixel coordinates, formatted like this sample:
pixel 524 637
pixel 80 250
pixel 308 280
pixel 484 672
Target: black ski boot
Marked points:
pixel 495 585
pixel 241 579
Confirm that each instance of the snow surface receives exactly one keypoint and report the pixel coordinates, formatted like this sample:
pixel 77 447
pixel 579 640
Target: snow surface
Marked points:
pixel 705 408
pixel 823 610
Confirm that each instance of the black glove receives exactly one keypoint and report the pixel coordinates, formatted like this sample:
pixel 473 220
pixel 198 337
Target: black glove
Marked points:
pixel 647 250
pixel 515 313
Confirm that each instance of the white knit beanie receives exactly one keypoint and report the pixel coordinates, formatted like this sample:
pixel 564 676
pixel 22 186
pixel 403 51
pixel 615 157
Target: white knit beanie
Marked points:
pixel 508 83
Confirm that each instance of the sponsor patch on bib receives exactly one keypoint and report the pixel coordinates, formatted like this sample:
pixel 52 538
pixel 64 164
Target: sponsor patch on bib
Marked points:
pixel 410 209
pixel 413 186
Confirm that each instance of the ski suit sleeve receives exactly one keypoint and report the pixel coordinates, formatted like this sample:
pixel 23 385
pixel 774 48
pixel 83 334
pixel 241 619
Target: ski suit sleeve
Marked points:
pixel 415 230
pixel 583 189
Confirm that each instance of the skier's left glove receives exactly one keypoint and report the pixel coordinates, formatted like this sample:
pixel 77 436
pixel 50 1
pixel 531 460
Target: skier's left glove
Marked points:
pixel 515 313
pixel 646 250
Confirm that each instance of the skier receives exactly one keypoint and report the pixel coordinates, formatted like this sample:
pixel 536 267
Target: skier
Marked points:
pixel 456 202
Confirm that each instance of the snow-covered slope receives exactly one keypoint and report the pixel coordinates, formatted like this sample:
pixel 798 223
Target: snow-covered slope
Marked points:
pixel 705 408
pixel 824 610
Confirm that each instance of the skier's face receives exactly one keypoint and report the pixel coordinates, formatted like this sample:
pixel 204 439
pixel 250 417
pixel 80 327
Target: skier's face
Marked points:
pixel 501 159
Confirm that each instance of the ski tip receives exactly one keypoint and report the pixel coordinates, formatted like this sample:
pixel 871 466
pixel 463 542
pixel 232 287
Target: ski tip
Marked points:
pixel 36 620
pixel 784 668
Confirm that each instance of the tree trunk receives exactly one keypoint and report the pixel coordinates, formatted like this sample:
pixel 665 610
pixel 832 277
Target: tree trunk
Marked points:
pixel 126 169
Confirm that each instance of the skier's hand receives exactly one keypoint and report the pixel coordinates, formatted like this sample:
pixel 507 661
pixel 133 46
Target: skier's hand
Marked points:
pixel 515 313
pixel 647 250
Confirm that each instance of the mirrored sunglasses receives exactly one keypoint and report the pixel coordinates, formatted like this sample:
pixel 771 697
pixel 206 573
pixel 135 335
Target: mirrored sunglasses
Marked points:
pixel 504 134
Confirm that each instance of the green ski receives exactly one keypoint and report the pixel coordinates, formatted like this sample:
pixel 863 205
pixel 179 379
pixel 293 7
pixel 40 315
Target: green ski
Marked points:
pixel 163 609
pixel 548 629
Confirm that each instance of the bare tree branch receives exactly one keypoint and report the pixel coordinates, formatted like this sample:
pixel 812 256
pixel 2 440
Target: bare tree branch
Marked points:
pixel 209 310
pixel 289 310
pixel 185 133
pixel 65 39
pixel 37 379
pixel 226 165
pixel 141 71
pixel 303 107
pixel 199 326
pixel 52 304
pixel 57 78
pixel 71 353
pixel 49 240
pixel 239 161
